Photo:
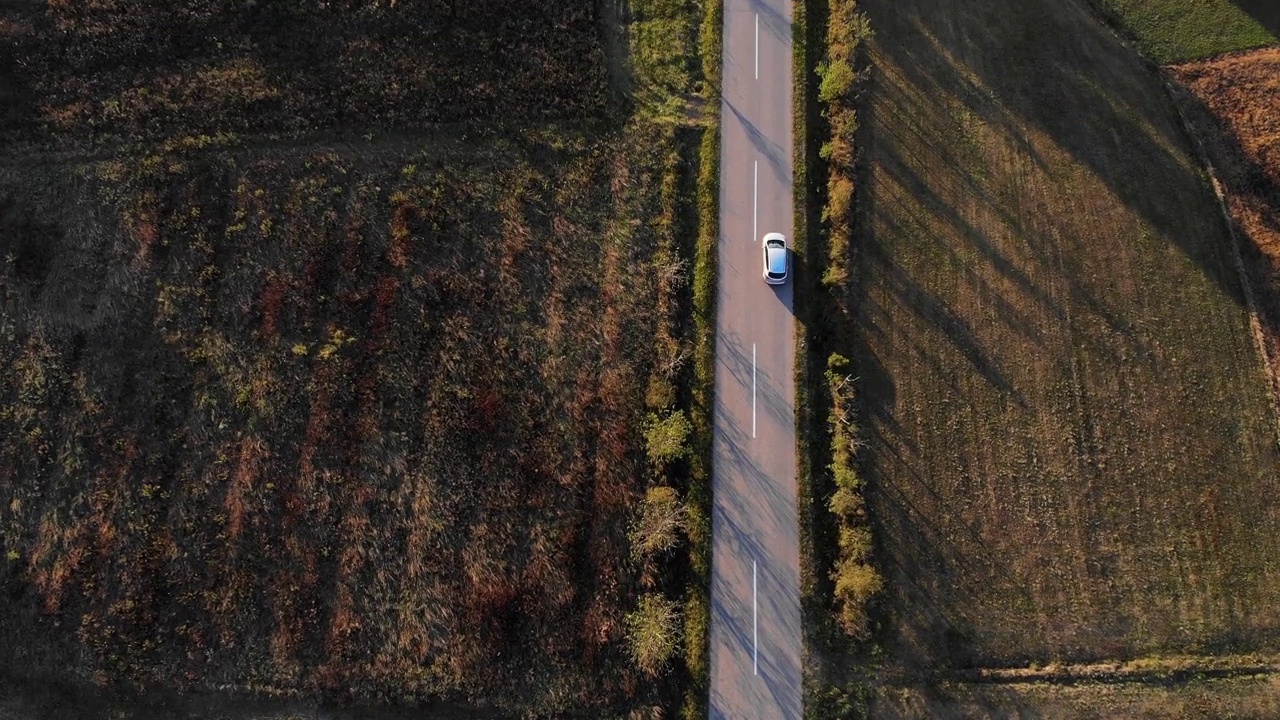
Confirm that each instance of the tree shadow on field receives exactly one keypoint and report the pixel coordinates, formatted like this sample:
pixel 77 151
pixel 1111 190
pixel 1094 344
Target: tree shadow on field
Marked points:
pixel 1031 66
pixel 142 73
pixel 1045 76
pixel 1252 185
pixel 28 242
pixel 922 556
pixel 18 99
pixel 1265 12
pixel 36 697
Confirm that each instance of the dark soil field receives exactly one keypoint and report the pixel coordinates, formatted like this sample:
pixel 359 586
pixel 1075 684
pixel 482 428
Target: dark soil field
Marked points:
pixel 329 333
pixel 318 414
pixel 1071 442
pixel 110 69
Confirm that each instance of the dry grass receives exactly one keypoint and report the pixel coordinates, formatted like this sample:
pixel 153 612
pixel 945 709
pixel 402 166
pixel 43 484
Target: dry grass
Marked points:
pixel 295 402
pixel 1072 452
pixel 1238 697
pixel 1233 106
pixel 412 469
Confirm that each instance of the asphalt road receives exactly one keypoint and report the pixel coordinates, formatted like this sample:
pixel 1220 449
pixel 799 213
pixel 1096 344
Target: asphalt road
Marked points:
pixel 755 580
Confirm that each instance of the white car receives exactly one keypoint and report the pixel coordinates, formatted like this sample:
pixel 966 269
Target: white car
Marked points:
pixel 776 260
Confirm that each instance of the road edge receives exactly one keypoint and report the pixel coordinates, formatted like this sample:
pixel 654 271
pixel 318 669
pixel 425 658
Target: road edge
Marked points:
pixel 697 701
pixel 805 197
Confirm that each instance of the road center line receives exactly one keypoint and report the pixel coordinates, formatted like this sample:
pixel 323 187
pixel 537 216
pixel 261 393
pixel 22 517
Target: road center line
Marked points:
pixel 753 389
pixel 755 631
pixel 755 188
pixel 757 46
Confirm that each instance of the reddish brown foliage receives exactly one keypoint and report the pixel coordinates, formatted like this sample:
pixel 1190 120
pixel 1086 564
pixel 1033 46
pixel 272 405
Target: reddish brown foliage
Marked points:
pixel 408 475
pixel 401 235
pixel 273 294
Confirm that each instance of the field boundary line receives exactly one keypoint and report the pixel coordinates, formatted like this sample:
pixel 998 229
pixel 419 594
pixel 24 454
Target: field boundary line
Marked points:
pixel 1160 670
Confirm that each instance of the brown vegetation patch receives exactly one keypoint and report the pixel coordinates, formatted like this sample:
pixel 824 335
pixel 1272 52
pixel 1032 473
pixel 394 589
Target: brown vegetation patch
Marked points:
pixel 340 446
pixel 331 327
pixel 1234 109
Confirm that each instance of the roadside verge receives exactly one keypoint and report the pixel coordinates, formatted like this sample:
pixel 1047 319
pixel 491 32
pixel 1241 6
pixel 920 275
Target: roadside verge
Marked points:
pixel 838 578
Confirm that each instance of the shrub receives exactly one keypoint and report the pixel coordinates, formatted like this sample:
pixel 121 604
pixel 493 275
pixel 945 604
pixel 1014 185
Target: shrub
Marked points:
pixel 846 476
pixel 855 579
pixel 667 437
pixel 661 393
pixel 856 582
pixel 835 276
pixel 696 618
pixel 847 503
pixel 839 546
pixel 855 542
pixel 660 523
pixel 652 632
pixel 844 128
pixel 848 28
pixel 838 78
pixel 839 199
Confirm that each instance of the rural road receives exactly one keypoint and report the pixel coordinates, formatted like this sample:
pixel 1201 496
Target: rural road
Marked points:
pixel 755 579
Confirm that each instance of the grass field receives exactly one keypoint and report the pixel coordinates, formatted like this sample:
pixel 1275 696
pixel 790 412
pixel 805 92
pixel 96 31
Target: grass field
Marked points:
pixel 1180 30
pixel 1071 448
pixel 1248 698
pixel 329 355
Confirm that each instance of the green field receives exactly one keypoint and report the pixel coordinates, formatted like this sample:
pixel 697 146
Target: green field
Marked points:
pixel 1179 30
pixel 1071 449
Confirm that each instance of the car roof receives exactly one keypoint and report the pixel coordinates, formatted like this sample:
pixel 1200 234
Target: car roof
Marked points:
pixel 777 260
